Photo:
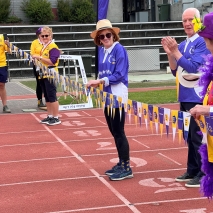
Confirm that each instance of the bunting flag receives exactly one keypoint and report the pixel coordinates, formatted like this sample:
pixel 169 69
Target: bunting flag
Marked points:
pixel 150 112
pixel 202 124
pixel 161 119
pixel 111 103
pixel 108 103
pixel 98 98
pixel 129 107
pixel 95 96
pixel 135 111
pixel 180 125
pixel 119 99
pixel 174 114
pixel 139 105
pixel 155 115
pixel 145 113
pixel 186 123
pixel 209 126
pixel 166 118
pixel 114 104
pixel 104 100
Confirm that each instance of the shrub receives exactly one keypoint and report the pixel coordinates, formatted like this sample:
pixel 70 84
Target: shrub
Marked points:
pixel 5 10
pixel 82 11
pixel 13 19
pixel 64 13
pixel 38 11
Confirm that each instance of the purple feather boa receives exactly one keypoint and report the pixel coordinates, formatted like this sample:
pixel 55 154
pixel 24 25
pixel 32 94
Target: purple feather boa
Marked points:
pixel 206 186
pixel 207 74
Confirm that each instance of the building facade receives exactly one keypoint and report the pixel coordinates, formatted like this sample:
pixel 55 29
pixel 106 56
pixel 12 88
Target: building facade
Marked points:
pixel 131 10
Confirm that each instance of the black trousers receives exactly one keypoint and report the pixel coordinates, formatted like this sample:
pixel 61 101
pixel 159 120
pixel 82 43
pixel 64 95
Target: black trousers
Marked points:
pixel 38 86
pixel 194 142
pixel 116 127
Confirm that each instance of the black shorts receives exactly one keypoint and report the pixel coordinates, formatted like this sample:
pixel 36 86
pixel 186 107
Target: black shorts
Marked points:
pixel 3 74
pixel 49 90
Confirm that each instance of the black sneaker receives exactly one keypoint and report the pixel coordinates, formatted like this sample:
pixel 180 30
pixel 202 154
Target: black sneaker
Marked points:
pixel 46 120
pixel 53 121
pixel 194 183
pixel 6 109
pixel 184 178
pixel 113 170
pixel 122 174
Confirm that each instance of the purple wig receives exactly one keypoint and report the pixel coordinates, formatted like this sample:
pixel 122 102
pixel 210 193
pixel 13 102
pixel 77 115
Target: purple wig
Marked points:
pixel 38 31
pixel 206 186
pixel 207 74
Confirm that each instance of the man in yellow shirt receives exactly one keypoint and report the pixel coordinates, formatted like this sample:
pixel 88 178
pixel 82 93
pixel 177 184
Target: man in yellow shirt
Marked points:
pixel 4 46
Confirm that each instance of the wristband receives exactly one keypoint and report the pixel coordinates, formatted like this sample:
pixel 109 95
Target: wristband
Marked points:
pixel 211 111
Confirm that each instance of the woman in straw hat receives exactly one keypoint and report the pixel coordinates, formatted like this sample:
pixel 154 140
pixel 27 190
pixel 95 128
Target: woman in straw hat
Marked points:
pixel 113 68
pixel 206 31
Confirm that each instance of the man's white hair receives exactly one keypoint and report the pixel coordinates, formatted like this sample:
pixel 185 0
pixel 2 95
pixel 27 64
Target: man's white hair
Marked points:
pixel 195 10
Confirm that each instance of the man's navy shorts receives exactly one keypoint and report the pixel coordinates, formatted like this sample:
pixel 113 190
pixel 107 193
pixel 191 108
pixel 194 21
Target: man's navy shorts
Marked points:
pixel 3 74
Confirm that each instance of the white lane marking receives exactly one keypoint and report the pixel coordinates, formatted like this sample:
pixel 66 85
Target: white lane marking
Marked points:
pixel 170 201
pixel 170 159
pixel 25 87
pixel 141 143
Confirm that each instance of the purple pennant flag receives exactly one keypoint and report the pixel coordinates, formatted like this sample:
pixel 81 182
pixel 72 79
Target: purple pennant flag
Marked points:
pixel 180 124
pixel 161 114
pixel 135 110
pixel 150 109
pixel 180 120
pixel 102 9
pixel 150 112
pixel 161 118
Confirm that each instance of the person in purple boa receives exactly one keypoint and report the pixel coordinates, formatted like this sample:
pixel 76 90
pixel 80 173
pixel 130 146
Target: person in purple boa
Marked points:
pixel 206 150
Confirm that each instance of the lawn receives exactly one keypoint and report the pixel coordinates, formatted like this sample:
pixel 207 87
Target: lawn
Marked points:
pixel 150 97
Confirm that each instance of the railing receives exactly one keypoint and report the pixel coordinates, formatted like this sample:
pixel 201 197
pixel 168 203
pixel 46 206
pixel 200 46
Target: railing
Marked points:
pixel 127 34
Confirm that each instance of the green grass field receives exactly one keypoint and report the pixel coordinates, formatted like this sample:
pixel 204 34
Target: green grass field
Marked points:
pixel 150 97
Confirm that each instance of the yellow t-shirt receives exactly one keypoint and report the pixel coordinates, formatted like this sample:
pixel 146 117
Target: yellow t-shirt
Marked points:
pixel 45 53
pixel 36 47
pixel 3 48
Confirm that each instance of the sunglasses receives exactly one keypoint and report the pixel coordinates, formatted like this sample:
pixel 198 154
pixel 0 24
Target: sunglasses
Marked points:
pixel 102 36
pixel 45 36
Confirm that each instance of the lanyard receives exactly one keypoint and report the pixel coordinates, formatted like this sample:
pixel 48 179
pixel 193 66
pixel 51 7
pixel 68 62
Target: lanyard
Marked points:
pixel 44 47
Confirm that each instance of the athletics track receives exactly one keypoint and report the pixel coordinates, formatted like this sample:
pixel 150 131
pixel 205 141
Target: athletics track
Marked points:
pixel 61 168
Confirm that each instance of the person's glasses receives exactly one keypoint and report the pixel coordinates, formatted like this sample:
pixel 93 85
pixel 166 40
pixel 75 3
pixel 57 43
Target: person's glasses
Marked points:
pixel 44 36
pixel 102 36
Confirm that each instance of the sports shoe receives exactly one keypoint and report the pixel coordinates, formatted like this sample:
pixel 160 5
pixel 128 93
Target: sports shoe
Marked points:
pixel 184 178
pixel 113 170
pixel 46 120
pixel 6 109
pixel 122 174
pixel 53 121
pixel 194 183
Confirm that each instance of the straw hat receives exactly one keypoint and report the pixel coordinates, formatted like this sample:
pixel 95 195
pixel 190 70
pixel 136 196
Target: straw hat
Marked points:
pixel 189 80
pixel 104 24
